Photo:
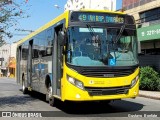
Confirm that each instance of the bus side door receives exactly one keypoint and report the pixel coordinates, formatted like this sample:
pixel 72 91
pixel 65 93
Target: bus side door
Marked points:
pixel 29 64
pixel 35 65
pixel 57 62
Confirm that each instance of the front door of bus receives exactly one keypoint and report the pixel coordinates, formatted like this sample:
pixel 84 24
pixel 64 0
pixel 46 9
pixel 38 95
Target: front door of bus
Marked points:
pixel 57 63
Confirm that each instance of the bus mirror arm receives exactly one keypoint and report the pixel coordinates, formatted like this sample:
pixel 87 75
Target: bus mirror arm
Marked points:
pixel 61 40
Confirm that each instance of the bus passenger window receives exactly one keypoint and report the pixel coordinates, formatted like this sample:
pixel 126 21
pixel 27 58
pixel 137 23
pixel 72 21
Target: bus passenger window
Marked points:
pixel 49 41
pixel 24 52
pixel 36 49
pixel 49 48
pixel 35 53
pixel 42 50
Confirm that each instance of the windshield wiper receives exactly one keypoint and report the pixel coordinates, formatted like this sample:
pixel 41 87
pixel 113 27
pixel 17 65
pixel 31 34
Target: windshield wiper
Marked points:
pixel 119 34
pixel 90 29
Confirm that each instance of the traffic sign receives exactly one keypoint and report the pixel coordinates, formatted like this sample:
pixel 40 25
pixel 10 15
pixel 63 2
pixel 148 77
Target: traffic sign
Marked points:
pixel 112 62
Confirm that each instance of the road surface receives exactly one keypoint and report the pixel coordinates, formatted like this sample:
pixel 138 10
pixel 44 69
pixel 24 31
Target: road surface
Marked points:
pixel 12 99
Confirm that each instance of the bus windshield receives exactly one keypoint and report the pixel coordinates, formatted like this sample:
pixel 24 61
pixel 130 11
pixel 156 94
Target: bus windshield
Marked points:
pixel 100 46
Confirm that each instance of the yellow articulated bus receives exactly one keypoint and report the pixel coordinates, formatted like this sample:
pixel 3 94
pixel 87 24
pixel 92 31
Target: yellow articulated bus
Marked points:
pixel 86 55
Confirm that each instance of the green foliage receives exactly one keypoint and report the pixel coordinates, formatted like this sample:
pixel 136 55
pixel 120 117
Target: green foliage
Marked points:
pixel 149 79
pixel 10 12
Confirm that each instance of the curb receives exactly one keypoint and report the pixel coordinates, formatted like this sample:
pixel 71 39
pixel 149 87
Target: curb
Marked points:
pixel 148 96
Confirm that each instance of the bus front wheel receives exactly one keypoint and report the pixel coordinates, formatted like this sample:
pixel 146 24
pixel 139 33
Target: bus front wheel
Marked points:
pixel 50 97
pixel 52 101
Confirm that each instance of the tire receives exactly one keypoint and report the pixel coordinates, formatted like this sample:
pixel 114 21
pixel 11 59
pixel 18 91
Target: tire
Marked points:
pixel 24 89
pixel 52 101
pixel 49 96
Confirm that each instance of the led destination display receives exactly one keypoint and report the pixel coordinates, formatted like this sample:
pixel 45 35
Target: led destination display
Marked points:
pixel 97 17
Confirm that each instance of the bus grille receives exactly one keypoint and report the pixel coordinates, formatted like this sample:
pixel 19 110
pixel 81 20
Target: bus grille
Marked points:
pixel 97 91
pixel 108 73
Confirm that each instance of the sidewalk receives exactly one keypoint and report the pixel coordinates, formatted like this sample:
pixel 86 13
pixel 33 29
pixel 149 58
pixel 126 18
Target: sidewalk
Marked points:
pixel 150 94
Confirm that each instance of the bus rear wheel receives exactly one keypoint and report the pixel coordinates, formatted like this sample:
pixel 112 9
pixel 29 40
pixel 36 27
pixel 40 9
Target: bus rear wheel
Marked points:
pixel 24 89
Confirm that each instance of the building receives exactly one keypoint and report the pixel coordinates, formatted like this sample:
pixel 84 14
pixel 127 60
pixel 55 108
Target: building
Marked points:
pixel 8 59
pixel 4 55
pixel 12 60
pixel 90 4
pixel 13 49
pixel 147 16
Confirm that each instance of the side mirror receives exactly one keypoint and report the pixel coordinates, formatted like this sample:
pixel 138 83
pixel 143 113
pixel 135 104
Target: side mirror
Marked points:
pixel 61 38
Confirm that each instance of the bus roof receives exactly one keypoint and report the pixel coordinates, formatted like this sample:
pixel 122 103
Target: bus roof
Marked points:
pixel 103 11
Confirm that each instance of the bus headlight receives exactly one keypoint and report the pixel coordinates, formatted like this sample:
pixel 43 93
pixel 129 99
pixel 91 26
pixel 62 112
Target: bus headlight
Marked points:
pixel 75 82
pixel 134 81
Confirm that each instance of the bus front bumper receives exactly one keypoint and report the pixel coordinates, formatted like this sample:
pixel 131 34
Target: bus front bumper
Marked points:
pixel 73 93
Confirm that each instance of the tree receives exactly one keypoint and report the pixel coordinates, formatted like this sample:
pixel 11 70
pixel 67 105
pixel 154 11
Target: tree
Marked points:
pixel 10 12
